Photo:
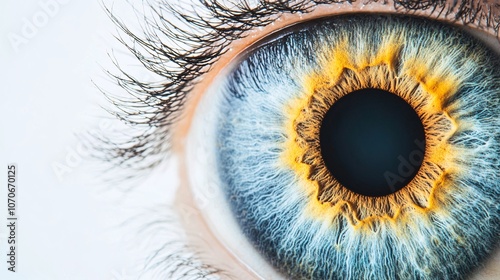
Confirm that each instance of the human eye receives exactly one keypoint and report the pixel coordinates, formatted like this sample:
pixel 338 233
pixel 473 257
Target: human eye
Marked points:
pixel 251 98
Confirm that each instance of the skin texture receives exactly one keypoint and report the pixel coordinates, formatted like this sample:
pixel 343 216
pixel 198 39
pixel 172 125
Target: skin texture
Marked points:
pixel 213 251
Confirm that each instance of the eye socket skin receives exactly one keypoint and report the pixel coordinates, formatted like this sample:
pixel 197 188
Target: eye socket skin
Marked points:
pixel 185 197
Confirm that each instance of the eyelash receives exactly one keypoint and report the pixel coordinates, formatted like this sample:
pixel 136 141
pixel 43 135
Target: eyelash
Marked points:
pixel 172 259
pixel 179 53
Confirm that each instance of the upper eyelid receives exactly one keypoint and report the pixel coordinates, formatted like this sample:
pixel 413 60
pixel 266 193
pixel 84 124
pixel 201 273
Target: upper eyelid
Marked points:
pixel 183 50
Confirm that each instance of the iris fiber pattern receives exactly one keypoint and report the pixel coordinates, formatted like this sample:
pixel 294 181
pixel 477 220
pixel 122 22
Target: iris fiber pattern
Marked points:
pixel 442 225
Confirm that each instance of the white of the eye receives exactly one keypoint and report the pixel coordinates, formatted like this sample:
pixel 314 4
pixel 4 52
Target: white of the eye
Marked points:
pixel 201 148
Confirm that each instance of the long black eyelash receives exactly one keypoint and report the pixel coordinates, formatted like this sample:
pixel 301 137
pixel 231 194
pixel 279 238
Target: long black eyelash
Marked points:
pixel 181 50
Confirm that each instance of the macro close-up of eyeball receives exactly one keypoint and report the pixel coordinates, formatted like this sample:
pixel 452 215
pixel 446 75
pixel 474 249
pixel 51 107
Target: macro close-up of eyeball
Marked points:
pixel 240 139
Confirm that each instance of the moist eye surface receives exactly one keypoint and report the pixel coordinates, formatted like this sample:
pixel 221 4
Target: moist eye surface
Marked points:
pixel 364 147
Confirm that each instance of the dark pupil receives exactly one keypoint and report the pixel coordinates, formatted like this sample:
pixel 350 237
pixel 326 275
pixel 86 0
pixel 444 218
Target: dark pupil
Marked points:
pixel 372 142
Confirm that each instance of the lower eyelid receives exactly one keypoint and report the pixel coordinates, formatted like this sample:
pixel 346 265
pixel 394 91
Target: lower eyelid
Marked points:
pixel 190 207
pixel 201 239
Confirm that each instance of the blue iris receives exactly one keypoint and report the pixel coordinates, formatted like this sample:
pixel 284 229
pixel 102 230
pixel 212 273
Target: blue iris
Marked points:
pixel 269 203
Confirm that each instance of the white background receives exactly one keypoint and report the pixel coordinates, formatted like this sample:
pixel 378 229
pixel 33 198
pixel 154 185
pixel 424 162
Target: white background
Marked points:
pixel 69 221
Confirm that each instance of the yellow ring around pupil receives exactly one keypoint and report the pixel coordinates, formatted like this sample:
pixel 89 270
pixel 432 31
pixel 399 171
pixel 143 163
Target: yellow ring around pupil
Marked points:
pixel 426 84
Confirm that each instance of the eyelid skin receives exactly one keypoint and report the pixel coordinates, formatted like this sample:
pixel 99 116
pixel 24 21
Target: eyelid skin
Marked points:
pixel 203 237
pixel 237 47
